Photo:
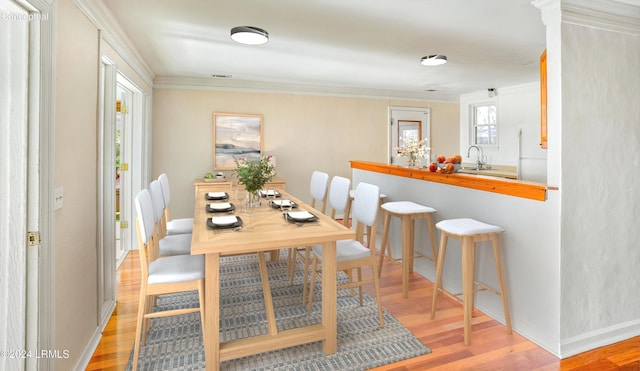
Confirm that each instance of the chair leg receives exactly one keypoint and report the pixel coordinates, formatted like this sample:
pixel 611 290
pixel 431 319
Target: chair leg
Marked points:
pixel 202 310
pixel 467 286
pixel 385 241
pixel 307 253
pixel 142 306
pixel 495 241
pixel 432 236
pixel 438 284
pixel 313 282
pixel 359 269
pixel 146 322
pixel 349 273
pixel 376 283
pixel 412 245
pixel 291 264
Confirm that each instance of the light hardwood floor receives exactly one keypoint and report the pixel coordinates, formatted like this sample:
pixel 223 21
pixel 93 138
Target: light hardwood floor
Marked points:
pixel 491 348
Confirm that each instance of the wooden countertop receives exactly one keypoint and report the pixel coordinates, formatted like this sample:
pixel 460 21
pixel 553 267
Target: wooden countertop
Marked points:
pixel 510 187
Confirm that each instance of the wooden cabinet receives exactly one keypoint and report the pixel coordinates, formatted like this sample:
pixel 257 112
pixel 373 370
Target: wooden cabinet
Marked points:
pixel 543 99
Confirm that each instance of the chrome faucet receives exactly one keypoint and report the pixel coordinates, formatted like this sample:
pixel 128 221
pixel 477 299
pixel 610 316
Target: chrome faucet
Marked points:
pixel 480 156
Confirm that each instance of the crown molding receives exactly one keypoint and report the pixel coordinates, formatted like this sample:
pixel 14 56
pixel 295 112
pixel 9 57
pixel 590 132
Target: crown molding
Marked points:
pixel 199 83
pixel 114 35
pixel 612 15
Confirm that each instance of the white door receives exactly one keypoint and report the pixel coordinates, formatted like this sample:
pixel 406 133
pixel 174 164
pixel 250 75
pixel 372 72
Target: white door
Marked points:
pixel 122 136
pixel 25 114
pixel 407 122
pixel 14 74
pixel 123 126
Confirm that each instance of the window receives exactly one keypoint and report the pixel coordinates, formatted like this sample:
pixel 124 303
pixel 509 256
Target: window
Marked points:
pixel 484 124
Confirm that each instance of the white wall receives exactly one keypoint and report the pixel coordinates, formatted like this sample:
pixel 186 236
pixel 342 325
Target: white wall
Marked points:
pixel 304 132
pixel 518 110
pixel 76 313
pixel 530 250
pixel 600 207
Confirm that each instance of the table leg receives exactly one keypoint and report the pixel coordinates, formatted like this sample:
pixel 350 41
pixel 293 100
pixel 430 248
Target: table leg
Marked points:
pixel 329 297
pixel 212 312
pixel 266 292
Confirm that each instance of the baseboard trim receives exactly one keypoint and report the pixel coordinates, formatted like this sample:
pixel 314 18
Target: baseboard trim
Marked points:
pixel 599 338
pixel 92 345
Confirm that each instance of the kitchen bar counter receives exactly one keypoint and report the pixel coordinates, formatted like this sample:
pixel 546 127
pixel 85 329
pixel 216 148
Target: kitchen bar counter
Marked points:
pixel 510 187
pixel 531 244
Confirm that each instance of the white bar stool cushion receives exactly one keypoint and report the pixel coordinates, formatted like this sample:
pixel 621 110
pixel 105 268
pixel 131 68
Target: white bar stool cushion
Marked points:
pixel 466 226
pixel 180 268
pixel 407 207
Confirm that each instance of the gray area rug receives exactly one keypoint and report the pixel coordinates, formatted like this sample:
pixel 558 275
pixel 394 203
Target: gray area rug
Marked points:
pixel 175 343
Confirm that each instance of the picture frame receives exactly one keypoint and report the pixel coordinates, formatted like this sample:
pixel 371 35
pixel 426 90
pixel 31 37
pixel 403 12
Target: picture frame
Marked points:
pixel 236 135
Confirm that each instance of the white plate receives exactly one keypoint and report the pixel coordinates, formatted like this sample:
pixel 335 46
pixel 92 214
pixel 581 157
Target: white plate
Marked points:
pixel 269 192
pixel 217 194
pixel 300 215
pixel 224 220
pixel 282 202
pixel 220 206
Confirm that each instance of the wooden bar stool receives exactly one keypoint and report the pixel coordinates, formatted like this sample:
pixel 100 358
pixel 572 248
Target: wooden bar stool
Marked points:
pixel 469 232
pixel 408 212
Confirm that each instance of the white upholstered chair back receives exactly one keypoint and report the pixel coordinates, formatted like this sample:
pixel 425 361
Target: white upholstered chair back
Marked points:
pixel 164 185
pixel 339 193
pixel 144 211
pixel 158 202
pixel 365 203
pixel 318 189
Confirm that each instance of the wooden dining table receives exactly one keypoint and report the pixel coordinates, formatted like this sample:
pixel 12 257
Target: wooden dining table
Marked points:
pixel 266 230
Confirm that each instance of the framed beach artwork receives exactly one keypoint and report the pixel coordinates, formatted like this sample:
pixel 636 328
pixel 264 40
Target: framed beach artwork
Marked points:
pixel 235 135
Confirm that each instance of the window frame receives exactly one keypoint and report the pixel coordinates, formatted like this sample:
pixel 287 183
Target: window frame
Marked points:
pixel 473 137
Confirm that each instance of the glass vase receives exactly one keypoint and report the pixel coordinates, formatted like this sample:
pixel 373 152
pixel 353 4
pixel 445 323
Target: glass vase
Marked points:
pixel 413 163
pixel 253 199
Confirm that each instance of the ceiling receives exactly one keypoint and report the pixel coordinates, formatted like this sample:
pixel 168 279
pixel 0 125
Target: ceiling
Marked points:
pixel 358 47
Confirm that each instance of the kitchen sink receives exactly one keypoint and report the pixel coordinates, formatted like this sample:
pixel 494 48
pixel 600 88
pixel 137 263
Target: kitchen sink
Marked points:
pixel 475 169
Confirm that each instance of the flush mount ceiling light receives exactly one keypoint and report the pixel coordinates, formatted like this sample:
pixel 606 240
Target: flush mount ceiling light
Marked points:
pixel 433 60
pixel 249 35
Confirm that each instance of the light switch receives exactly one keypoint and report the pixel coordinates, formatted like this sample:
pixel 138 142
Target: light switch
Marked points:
pixel 59 198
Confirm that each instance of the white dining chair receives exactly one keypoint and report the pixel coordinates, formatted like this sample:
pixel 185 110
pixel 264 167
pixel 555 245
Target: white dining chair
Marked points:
pixel 353 254
pixel 173 226
pixel 318 191
pixel 177 244
pixel 338 200
pixel 161 275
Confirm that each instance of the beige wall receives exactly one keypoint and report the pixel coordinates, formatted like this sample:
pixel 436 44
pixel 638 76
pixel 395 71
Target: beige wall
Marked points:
pixel 76 61
pixel 305 133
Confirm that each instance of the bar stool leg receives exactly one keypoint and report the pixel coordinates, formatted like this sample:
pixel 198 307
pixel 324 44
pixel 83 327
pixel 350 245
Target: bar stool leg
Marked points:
pixel 439 265
pixel 495 241
pixel 432 236
pixel 472 266
pixel 467 286
pixel 407 243
pixel 412 233
pixel 385 240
